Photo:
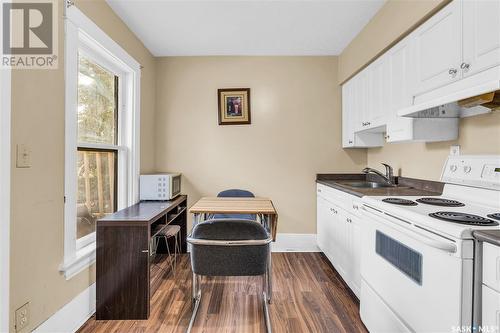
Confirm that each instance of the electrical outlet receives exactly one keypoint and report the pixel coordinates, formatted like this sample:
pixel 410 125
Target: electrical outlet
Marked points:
pixel 23 159
pixel 22 317
pixel 455 150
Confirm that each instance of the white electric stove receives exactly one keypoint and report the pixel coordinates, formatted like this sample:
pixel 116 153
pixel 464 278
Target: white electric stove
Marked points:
pixel 417 256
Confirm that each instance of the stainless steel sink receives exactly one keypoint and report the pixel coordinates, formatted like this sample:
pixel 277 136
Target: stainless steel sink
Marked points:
pixel 368 184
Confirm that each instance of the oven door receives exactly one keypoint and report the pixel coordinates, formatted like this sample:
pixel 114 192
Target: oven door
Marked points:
pixel 414 280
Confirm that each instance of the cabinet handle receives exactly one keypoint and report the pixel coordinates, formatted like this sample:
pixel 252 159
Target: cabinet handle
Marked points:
pixel 145 251
pixel 349 220
pixel 355 206
pixel 319 190
pixel 453 72
pixel 350 141
pixel 465 66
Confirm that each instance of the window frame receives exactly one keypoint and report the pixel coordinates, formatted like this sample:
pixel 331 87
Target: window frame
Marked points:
pixel 83 36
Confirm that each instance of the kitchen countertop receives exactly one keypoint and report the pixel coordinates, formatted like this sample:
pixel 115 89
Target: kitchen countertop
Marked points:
pixel 488 236
pixel 405 186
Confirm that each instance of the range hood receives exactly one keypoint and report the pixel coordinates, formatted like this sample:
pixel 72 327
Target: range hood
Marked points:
pixel 464 103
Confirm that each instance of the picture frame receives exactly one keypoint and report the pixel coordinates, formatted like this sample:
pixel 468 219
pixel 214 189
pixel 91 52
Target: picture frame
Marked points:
pixel 234 106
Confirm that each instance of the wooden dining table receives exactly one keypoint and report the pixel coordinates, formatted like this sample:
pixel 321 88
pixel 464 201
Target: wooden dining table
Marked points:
pixel 263 208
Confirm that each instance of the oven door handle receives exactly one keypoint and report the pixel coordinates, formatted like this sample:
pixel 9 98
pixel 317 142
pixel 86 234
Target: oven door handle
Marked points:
pixel 441 245
pixel 447 247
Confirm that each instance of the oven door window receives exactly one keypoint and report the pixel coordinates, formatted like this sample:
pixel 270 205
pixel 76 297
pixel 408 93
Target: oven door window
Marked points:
pixel 407 260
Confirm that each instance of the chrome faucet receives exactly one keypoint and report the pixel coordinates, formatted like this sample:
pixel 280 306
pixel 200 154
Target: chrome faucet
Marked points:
pixel 389 173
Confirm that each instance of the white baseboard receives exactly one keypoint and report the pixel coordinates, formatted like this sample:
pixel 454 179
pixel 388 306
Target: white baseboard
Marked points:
pixel 71 316
pixel 295 243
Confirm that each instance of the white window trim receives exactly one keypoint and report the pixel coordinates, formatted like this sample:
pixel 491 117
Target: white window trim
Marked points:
pixel 80 30
pixel 5 150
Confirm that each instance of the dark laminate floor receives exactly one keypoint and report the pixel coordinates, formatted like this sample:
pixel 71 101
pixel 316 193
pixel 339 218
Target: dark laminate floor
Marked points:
pixel 309 296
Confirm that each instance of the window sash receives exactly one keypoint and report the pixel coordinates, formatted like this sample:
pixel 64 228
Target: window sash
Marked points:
pixel 90 238
pixel 102 62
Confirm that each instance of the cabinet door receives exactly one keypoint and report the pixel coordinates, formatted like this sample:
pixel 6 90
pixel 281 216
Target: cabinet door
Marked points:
pixel 362 99
pixel 348 113
pixel 379 92
pixel 355 253
pixel 438 49
pixel 402 78
pixel 122 273
pixel 490 309
pixel 481 36
pixel 322 217
pixel 342 244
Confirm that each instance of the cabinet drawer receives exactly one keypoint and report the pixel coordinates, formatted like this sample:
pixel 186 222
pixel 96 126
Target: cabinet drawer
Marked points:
pixel 491 266
pixel 340 198
pixel 491 310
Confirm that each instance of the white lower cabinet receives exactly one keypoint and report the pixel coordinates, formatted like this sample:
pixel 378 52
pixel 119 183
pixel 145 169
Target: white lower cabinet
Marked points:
pixel 491 310
pixel 338 234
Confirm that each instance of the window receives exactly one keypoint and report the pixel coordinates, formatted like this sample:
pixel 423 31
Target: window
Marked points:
pixel 102 135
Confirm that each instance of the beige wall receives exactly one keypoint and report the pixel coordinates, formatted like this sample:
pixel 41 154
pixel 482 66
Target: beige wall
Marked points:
pixel 295 131
pixel 37 192
pixel 478 135
pixel 395 19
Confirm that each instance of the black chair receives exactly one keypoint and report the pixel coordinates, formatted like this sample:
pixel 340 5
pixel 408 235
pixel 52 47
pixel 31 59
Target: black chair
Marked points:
pixel 235 193
pixel 233 247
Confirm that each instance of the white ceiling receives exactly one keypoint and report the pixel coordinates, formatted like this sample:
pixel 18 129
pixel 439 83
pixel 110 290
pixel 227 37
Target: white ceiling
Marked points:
pixel 249 27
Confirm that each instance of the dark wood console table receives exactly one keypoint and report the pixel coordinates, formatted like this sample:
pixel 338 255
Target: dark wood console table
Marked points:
pixel 123 259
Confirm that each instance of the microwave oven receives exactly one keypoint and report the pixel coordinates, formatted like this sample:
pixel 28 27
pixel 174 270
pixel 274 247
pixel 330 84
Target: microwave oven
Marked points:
pixel 160 186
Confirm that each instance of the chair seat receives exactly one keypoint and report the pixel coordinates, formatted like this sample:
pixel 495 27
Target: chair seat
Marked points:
pixel 170 231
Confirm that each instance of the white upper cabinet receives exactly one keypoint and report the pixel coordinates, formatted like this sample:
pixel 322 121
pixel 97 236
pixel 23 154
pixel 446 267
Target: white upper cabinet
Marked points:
pixel 399 128
pixel 401 76
pixel 481 36
pixel 348 111
pixel 354 107
pixel 454 55
pixel 438 49
pixel 379 92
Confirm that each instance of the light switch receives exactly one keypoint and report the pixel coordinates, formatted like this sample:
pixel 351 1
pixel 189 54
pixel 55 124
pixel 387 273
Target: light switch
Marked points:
pixel 23 159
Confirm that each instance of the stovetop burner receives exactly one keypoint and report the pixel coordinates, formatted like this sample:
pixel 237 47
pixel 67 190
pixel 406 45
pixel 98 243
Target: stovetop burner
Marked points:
pixel 495 216
pixel 440 202
pixel 400 201
pixel 464 218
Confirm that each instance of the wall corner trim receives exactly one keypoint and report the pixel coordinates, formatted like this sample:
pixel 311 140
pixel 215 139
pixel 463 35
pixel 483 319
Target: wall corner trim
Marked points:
pixel 72 315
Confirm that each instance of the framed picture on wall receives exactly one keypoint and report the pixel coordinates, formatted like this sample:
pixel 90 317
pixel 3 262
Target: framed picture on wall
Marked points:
pixel 234 106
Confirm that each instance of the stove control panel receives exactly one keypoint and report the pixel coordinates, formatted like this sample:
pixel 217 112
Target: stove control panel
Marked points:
pixel 473 170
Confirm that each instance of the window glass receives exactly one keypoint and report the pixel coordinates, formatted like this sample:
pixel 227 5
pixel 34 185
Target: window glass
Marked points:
pixel 97 103
pixel 96 188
